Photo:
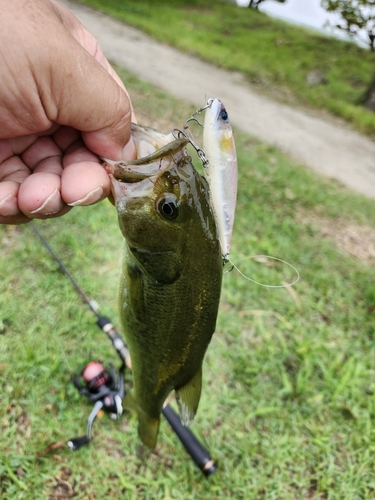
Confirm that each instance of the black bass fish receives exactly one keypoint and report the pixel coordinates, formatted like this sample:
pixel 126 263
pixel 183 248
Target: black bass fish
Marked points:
pixel 171 277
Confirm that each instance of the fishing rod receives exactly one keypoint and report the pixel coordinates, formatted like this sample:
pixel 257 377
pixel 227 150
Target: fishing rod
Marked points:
pixel 106 389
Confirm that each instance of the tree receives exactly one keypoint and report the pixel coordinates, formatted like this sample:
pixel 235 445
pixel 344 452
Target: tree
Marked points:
pixel 357 18
pixel 358 21
pixel 255 3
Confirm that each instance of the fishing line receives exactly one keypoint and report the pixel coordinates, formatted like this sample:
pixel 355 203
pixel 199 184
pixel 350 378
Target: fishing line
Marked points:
pixel 258 282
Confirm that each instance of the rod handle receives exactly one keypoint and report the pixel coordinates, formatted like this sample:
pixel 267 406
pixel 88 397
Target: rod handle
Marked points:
pixel 192 445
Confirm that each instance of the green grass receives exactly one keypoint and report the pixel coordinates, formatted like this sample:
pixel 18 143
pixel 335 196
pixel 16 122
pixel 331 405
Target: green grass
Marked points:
pixel 274 56
pixel 288 404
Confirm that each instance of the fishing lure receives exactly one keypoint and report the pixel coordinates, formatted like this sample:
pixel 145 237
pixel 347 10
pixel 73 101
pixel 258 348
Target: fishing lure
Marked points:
pixel 219 160
pixel 221 170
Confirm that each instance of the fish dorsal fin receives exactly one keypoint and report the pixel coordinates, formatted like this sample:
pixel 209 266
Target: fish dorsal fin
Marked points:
pixel 188 398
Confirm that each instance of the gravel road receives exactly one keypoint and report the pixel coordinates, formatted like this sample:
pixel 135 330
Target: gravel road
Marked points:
pixel 323 145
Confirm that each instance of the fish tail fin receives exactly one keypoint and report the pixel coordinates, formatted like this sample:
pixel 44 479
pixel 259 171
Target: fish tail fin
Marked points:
pixel 188 398
pixel 148 427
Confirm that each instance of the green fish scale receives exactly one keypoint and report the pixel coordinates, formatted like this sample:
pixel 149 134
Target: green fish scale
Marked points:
pixel 169 320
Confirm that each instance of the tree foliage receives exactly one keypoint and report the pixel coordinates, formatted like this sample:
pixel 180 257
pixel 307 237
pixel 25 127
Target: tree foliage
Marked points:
pixel 255 3
pixel 357 18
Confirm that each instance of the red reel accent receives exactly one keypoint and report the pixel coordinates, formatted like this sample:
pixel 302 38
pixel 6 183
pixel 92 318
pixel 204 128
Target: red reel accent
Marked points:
pixel 95 374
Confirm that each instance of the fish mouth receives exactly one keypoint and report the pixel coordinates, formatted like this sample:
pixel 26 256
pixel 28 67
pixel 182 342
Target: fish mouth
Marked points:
pixel 136 178
pixel 152 165
pixel 136 189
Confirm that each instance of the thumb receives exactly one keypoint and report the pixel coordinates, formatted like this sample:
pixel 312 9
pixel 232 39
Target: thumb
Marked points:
pixel 62 80
pixel 90 101
pixel 78 91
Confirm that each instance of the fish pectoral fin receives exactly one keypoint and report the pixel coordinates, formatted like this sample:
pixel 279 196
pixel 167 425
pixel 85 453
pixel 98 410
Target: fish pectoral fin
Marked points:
pixel 148 427
pixel 188 398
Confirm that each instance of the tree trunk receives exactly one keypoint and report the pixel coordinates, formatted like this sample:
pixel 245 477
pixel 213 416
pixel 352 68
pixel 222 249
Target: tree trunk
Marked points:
pixel 368 98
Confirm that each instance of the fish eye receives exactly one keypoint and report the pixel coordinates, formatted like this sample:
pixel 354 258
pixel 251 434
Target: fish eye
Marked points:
pixel 167 206
pixel 224 115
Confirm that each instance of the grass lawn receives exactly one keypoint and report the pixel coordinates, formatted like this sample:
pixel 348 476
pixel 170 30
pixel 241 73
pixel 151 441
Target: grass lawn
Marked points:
pixel 274 56
pixel 288 404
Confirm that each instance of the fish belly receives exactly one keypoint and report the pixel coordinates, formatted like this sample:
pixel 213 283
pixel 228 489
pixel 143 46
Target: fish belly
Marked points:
pixel 167 328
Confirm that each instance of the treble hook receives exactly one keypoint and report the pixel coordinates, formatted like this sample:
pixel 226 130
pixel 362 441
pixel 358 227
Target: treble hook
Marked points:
pixel 191 119
pixel 178 134
pixel 198 112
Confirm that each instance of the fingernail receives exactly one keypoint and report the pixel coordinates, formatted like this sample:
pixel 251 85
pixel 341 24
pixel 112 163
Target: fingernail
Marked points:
pixel 7 198
pixel 9 206
pixel 89 199
pixel 45 209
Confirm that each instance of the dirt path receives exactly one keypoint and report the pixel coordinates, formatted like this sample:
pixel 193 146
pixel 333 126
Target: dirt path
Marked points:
pixel 328 148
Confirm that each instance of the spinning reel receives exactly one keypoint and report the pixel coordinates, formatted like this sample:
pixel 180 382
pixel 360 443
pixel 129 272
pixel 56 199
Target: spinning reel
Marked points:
pixel 103 387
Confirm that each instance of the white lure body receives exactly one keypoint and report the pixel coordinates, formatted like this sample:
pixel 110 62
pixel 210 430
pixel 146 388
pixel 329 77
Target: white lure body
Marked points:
pixel 221 172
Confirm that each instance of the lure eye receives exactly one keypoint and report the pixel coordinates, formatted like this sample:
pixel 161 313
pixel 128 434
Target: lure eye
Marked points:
pixel 167 206
pixel 224 115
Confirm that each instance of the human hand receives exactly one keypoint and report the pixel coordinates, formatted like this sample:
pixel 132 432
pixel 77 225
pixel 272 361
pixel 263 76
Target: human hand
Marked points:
pixel 61 107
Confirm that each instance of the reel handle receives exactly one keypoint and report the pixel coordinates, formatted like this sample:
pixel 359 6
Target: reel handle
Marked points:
pixel 76 443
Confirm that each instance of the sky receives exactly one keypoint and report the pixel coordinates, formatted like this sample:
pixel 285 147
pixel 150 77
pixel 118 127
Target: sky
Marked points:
pixel 307 12
pixel 302 11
